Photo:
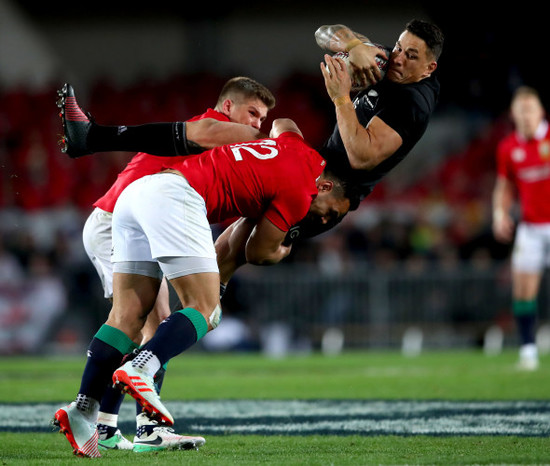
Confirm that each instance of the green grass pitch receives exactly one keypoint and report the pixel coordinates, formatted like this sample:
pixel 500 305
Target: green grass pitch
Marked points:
pixel 216 382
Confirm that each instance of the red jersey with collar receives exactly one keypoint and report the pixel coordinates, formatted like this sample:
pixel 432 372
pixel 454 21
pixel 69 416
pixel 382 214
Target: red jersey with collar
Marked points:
pixel 143 164
pixel 526 163
pixel 271 177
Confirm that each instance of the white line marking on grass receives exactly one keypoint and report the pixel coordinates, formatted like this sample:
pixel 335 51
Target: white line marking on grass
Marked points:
pixel 336 417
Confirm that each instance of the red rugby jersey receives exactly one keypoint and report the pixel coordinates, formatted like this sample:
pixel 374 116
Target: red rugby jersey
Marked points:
pixel 527 165
pixel 143 164
pixel 271 177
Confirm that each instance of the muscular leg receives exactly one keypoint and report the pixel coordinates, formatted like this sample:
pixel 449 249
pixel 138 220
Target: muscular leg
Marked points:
pixel 200 293
pixel 180 331
pixel 161 310
pixel 134 297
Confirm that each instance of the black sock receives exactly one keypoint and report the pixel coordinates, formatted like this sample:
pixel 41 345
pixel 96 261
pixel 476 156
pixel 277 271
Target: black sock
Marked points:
pixel 103 360
pixel 176 334
pixel 111 401
pixel 526 327
pixel 152 138
pixel 525 313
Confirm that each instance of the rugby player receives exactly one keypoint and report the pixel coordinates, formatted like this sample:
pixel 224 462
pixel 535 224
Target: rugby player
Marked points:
pixel 242 101
pixel 161 228
pixel 523 171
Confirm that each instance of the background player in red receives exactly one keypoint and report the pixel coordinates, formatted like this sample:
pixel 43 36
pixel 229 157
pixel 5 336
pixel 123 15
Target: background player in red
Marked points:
pixel 523 168
pixel 242 101
pixel 161 228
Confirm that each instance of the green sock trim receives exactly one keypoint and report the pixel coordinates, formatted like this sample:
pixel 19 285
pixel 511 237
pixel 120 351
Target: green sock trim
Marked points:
pixel 197 319
pixel 523 308
pixel 116 338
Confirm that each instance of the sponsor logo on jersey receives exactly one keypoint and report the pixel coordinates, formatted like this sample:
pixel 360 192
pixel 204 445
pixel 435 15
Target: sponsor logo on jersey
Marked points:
pixel 533 174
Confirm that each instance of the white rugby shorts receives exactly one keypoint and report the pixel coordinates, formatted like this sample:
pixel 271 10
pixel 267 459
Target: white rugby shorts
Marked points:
pixel 531 251
pixel 161 218
pixel 98 244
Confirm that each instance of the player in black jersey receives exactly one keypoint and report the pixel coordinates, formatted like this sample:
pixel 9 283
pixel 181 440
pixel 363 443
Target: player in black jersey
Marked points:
pixel 384 122
pixel 376 130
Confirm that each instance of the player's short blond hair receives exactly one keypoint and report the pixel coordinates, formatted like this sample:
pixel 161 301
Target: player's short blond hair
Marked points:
pixel 525 91
pixel 244 87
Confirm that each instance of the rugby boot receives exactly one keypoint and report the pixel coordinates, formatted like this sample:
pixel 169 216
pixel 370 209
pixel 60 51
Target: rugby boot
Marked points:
pixel 151 436
pixel 81 434
pixel 114 442
pixel 76 124
pixel 141 387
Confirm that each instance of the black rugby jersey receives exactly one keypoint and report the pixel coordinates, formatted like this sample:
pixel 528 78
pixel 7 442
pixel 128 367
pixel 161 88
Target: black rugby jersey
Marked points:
pixel 404 107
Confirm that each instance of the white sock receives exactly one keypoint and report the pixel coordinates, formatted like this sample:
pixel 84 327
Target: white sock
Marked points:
pixel 147 362
pixel 107 419
pixel 88 407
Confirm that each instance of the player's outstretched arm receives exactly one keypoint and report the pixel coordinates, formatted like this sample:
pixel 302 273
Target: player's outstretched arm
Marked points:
pixel 209 133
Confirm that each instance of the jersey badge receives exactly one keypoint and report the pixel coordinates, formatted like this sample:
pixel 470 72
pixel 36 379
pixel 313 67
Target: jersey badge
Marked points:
pixel 372 99
pixel 544 150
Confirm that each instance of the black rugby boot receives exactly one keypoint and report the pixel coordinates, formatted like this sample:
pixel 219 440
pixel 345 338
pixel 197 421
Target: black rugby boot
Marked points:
pixel 76 124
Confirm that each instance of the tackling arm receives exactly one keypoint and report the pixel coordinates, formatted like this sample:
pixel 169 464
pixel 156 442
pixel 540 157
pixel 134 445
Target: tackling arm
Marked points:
pixel 209 133
pixel 230 247
pixel 264 246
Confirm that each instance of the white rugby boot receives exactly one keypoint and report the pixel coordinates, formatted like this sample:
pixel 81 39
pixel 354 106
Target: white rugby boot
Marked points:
pixel 151 436
pixel 528 358
pixel 80 432
pixel 115 442
pixel 141 387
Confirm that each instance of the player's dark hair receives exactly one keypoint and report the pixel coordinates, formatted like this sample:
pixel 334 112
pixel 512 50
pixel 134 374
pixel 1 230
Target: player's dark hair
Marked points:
pixel 343 188
pixel 247 88
pixel 429 33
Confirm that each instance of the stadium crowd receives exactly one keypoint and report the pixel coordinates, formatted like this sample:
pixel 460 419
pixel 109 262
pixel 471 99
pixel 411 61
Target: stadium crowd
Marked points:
pixel 46 280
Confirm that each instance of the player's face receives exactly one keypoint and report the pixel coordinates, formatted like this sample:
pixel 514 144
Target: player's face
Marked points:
pixel 326 208
pixel 527 113
pixel 251 112
pixel 410 61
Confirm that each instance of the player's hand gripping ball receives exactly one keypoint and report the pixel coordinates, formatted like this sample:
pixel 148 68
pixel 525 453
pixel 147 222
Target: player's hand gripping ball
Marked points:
pixel 356 83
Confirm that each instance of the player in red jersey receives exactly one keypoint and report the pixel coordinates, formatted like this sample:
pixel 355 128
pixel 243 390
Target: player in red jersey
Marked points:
pixel 523 166
pixel 241 108
pixel 161 228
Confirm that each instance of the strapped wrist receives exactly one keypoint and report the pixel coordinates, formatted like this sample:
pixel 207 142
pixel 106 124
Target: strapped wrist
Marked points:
pixel 353 43
pixel 342 100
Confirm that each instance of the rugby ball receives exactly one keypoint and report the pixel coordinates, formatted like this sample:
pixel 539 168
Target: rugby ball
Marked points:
pixel 355 82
